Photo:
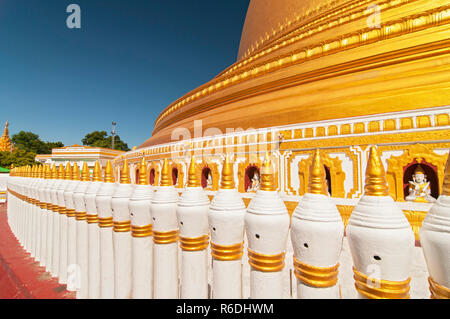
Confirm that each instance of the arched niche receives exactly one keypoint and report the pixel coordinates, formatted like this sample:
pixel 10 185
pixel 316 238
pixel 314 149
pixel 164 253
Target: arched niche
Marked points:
pixel 175 176
pixel 244 168
pixel 209 167
pixel 430 174
pixel 154 177
pixel 250 173
pixel 398 168
pixel 136 176
pixel 151 177
pixel 334 175
pixel 206 174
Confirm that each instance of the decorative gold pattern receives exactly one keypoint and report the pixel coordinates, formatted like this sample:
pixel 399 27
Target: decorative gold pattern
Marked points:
pixel 345 211
pixel 415 219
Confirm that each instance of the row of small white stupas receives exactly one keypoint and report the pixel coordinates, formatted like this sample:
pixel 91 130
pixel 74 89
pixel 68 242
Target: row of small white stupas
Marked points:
pixel 119 240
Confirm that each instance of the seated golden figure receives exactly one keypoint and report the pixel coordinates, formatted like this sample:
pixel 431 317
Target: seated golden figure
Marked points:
pixel 419 187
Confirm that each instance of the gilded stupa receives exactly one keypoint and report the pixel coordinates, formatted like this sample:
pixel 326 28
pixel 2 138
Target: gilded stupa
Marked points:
pixel 334 75
pixel 6 144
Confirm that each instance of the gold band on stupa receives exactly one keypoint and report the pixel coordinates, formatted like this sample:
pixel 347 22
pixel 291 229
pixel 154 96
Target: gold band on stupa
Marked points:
pixel 80 215
pixel 194 244
pixel 62 210
pixel 142 231
pixel 313 276
pixel 227 252
pixel 122 226
pixel 438 291
pixel 105 222
pixel 266 263
pixel 164 238
pixel 70 213
pixel 92 218
pixel 373 288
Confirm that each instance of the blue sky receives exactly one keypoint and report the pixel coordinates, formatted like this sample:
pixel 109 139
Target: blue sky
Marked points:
pixel 129 60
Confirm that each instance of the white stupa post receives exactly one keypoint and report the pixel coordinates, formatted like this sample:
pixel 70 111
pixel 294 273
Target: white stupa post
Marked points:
pixel 192 215
pixel 62 256
pixel 435 241
pixel 317 232
pixel 267 229
pixel 34 210
pixel 82 233
pixel 105 224
pixel 71 275
pixel 122 234
pixel 44 174
pixel 142 232
pixel 380 238
pixel 165 237
pixel 48 210
pixel 27 233
pixel 226 226
pixel 93 233
pixel 56 238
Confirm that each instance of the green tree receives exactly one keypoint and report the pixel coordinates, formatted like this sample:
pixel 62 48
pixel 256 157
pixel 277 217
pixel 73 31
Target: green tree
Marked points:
pixel 31 142
pixel 19 158
pixel 101 139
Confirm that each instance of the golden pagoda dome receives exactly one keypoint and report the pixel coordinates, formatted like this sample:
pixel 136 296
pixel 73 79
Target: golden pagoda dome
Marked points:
pixel 303 61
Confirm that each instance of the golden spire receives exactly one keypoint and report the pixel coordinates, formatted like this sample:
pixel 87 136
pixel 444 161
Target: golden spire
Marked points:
pixel 376 184
pixel 85 174
pixel 35 171
pixel 227 179
pixel 267 175
pixel 166 179
pixel 193 180
pixel 446 185
pixel 317 184
pixel 68 173
pixel 28 170
pixel 76 172
pixel 5 140
pixel 125 173
pixel 143 172
pixel 54 172
pixel 109 173
pixel 97 174
pixel 61 171
pixel 47 171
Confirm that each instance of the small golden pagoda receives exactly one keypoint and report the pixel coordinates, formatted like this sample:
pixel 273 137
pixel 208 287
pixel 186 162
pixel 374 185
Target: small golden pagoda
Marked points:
pixel 6 144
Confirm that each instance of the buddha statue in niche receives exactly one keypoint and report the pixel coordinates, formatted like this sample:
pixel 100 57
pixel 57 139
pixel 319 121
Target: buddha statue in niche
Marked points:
pixel 255 183
pixel 419 188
